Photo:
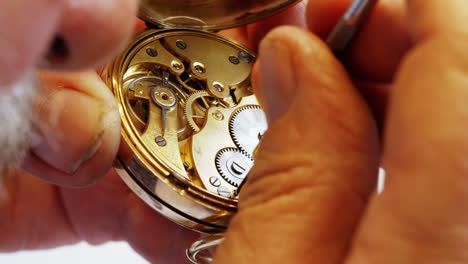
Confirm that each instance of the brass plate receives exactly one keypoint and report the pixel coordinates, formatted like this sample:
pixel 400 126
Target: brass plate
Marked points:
pixel 190 123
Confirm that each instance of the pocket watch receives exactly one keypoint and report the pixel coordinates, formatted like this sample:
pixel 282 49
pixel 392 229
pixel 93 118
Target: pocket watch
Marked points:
pixel 190 120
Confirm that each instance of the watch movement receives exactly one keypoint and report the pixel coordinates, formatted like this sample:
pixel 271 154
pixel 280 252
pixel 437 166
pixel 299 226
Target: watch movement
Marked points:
pixel 190 120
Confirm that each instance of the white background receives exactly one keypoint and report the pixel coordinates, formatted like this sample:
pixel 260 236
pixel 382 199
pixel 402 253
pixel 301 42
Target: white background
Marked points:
pixel 114 253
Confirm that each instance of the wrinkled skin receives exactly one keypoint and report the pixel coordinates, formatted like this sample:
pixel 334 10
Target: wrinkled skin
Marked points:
pixel 309 199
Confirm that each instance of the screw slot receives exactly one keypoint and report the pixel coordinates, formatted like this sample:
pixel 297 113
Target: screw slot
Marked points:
pixel 181 44
pixel 151 52
pixel 176 65
pixel 245 57
pixel 215 181
pixel 224 192
pixel 218 87
pixel 200 68
pixel 160 141
pixel 234 60
pixel 218 115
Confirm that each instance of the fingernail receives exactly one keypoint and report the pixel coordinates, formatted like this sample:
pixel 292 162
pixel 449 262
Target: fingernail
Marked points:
pixel 276 77
pixel 71 124
pixel 93 147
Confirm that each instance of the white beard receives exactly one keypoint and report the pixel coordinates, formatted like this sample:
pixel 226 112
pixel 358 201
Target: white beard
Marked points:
pixel 16 120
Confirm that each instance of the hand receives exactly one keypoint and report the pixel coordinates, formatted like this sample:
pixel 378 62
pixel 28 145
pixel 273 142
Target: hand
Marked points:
pixel 311 196
pixel 79 128
pixel 59 35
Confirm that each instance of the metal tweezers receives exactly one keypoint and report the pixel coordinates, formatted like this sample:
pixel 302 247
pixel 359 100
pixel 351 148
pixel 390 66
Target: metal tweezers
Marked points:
pixel 349 24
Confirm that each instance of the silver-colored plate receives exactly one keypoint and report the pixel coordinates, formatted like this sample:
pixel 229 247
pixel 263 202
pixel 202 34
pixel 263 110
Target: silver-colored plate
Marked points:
pixel 208 14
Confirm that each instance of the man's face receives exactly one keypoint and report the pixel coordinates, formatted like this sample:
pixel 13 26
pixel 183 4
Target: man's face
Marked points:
pixel 55 35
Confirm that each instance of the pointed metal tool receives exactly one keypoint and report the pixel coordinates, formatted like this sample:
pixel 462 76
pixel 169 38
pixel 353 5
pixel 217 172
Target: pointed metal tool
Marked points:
pixel 349 25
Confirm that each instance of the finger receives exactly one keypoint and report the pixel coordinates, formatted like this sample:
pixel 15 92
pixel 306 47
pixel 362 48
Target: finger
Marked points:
pixel 293 16
pixel 79 130
pixel 435 18
pixel 376 52
pixel 118 214
pixel 422 214
pixel 316 164
pixel 32 214
pixel 376 95
pixel 252 34
pixel 107 211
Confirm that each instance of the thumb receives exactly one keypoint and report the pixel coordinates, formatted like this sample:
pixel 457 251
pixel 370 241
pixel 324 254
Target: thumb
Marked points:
pixel 316 165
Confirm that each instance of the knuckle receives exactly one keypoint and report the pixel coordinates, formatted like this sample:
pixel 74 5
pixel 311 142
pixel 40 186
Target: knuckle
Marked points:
pixel 305 198
pixel 429 126
pixel 300 183
pixel 441 54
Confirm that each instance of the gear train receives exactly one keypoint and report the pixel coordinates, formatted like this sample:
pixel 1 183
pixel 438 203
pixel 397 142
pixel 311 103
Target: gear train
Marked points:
pixel 204 127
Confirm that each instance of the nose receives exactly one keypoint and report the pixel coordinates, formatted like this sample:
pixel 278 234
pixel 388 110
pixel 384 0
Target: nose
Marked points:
pixel 61 34
pixel 90 31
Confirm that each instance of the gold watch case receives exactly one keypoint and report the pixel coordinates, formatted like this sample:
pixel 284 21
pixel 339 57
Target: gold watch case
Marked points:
pixel 190 120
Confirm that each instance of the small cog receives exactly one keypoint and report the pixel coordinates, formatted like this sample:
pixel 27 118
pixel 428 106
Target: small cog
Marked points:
pixel 247 126
pixel 233 165
pixel 195 112
pixel 196 108
pixel 188 84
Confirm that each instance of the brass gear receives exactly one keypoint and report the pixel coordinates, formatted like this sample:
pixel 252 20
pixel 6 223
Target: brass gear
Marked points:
pixel 193 110
pixel 185 84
